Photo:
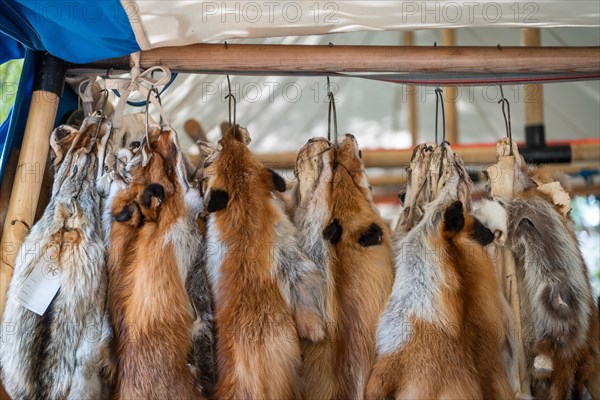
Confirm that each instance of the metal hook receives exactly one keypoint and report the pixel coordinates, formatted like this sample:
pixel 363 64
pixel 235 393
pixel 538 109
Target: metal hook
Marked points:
pixel 102 116
pixel 146 113
pixel 232 100
pixel 439 98
pixel 332 111
pixel 506 114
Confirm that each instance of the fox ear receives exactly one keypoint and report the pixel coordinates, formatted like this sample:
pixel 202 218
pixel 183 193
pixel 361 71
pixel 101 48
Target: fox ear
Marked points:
pixel 130 214
pixel 454 219
pixel 217 201
pixel 125 214
pixel 481 234
pixel 333 232
pixel 153 196
pixel 278 181
pixel 373 236
pixel 60 141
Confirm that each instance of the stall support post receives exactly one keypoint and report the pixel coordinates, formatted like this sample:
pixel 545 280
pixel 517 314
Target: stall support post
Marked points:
pixel 450 94
pixel 411 99
pixel 535 134
pixel 47 90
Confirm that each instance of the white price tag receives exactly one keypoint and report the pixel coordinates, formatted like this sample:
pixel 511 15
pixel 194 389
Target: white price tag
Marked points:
pixel 42 284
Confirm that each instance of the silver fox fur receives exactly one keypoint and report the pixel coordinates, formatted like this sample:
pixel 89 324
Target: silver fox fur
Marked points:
pixel 59 355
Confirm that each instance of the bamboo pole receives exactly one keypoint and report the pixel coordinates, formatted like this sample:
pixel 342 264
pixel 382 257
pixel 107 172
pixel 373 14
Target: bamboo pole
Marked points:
pixel 32 162
pixel 398 158
pixel 534 94
pixel 411 99
pixel 216 58
pixel 450 94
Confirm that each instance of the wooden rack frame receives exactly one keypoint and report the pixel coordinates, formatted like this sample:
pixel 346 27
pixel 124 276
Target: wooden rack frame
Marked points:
pixel 311 59
pixel 278 60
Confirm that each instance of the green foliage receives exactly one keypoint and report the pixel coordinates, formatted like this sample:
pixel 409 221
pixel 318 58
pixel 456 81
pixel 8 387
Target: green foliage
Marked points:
pixel 10 72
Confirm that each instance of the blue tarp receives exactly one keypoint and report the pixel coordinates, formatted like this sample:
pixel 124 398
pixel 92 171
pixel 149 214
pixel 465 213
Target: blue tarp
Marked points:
pixel 78 32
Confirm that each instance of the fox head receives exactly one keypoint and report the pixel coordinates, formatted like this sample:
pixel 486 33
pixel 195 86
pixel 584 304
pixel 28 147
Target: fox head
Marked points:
pixel 159 176
pixel 349 158
pixel 65 136
pixel 313 164
pixel 232 156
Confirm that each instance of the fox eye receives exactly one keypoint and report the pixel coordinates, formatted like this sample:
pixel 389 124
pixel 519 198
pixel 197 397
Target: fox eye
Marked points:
pixel 360 154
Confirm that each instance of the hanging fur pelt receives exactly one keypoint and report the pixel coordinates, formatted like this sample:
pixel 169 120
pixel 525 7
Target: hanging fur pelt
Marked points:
pixel 154 242
pixel 202 356
pixel 345 235
pixel 560 319
pixel 418 190
pixel 61 354
pixel 441 335
pixel 265 289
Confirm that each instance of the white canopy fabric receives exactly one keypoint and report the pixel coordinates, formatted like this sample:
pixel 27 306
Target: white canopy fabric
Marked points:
pixel 158 23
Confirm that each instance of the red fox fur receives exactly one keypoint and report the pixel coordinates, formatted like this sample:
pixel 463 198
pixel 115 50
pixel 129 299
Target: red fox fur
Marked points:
pixel 441 334
pixel 150 310
pixel 255 284
pixel 359 268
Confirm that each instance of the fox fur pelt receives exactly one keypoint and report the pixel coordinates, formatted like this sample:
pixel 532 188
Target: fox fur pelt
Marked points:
pixel 154 242
pixel 345 235
pixel 560 319
pixel 441 334
pixel 61 354
pixel 265 289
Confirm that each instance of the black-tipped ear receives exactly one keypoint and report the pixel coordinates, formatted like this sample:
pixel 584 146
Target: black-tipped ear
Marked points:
pixel 278 181
pixel 154 190
pixel 218 200
pixel 481 234
pixel 373 236
pixel 125 214
pixel 333 232
pixel 454 219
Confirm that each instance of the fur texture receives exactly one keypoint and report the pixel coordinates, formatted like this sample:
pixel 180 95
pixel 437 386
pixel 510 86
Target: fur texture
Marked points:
pixel 418 189
pixel 345 235
pixel 441 333
pixel 154 242
pixel 61 354
pixel 560 319
pixel 265 289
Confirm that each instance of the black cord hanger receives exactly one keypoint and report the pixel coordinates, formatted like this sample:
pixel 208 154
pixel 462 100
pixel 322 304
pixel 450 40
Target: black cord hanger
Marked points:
pixel 507 122
pixel 232 105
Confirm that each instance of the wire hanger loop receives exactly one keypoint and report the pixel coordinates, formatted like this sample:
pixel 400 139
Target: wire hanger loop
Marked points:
pixel 439 100
pixel 506 114
pixel 232 105
pixel 332 113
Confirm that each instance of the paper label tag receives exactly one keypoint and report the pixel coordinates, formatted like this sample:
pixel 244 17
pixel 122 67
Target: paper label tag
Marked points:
pixel 42 284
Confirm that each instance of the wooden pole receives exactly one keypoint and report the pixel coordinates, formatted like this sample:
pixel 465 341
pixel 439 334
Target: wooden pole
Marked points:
pixel 27 183
pixel 398 158
pixel 411 99
pixel 244 58
pixel 533 97
pixel 450 94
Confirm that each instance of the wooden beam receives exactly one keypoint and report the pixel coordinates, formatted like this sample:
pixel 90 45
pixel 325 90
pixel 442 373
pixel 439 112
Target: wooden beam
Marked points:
pixel 450 94
pixel 398 158
pixel 399 178
pixel 246 58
